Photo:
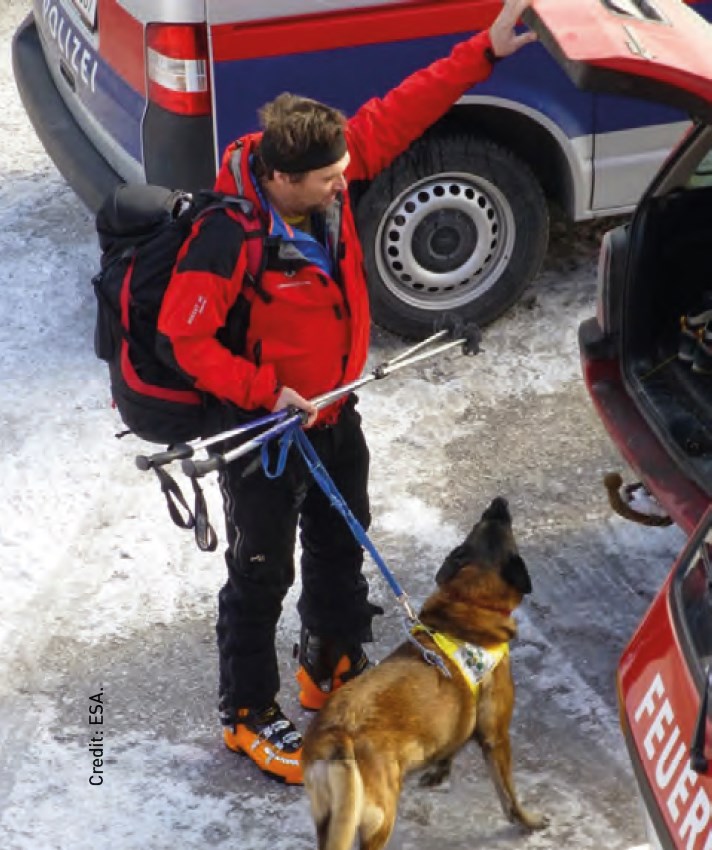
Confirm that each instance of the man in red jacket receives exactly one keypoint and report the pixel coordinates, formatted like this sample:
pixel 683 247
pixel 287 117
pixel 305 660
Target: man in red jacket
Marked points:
pixel 307 333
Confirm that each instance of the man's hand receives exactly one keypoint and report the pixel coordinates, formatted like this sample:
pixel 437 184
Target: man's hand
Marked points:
pixel 505 40
pixel 291 398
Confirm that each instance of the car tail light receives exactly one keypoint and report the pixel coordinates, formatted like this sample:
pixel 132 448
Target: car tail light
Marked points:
pixel 177 67
pixel 611 279
pixel 603 278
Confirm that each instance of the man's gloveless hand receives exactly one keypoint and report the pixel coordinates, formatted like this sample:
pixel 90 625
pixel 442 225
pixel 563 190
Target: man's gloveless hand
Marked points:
pixel 505 40
pixel 291 398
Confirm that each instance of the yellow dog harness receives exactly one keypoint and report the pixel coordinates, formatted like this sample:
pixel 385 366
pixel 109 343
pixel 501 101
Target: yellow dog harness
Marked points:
pixel 474 662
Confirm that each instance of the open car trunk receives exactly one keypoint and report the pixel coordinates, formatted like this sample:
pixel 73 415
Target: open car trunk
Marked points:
pixel 659 49
pixel 669 275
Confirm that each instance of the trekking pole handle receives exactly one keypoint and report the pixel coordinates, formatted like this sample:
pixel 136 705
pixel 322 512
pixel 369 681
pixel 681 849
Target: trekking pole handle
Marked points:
pixel 198 468
pixel 146 462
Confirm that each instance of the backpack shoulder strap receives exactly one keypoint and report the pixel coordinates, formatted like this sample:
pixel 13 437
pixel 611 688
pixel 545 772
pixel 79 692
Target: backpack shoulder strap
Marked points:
pixel 243 211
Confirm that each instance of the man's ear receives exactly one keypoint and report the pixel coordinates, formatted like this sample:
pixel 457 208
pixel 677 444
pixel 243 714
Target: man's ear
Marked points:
pixel 452 564
pixel 515 573
pixel 281 177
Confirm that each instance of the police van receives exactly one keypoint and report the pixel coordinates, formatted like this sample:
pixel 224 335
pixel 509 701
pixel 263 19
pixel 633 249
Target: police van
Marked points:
pixel 136 90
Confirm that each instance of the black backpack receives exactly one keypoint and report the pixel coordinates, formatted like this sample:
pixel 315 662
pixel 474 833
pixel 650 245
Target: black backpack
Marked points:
pixel 141 229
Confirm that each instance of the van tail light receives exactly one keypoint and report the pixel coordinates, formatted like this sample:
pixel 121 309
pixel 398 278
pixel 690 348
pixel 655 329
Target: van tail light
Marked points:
pixel 177 67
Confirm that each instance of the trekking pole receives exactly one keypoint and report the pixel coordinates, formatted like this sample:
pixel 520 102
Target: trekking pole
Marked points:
pixel 198 468
pixel 407 358
pixel 185 451
pixel 421 351
pixel 182 451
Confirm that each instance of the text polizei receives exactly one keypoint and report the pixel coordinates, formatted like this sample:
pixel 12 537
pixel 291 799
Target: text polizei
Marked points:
pixel 80 58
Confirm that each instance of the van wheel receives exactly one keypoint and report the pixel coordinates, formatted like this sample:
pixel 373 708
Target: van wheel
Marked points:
pixel 455 224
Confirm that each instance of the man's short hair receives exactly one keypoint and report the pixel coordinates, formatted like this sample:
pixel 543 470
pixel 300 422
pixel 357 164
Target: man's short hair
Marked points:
pixel 300 134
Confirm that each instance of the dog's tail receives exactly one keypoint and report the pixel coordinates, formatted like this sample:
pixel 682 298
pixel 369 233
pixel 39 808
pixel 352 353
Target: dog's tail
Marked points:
pixel 335 790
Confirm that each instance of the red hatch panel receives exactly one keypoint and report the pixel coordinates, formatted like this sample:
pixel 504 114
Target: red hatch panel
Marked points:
pixel 657 49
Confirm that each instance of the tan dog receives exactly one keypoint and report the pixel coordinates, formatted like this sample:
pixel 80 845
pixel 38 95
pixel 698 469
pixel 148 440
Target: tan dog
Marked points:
pixel 405 714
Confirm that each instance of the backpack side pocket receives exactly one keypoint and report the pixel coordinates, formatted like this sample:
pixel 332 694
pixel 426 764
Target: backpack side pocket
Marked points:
pixel 107 329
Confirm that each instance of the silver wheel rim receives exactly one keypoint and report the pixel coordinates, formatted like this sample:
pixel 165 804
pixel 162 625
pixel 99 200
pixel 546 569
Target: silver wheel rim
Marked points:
pixel 445 241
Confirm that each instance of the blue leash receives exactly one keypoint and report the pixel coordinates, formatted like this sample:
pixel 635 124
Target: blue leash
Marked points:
pixel 295 435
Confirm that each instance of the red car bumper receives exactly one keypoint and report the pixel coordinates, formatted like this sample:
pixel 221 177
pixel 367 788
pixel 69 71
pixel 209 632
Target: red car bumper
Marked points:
pixel 681 498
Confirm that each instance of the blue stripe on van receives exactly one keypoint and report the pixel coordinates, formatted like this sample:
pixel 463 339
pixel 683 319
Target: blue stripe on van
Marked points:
pixel 105 96
pixel 347 77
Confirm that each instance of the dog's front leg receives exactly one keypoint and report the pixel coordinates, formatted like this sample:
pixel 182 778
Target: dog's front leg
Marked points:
pixel 498 756
pixel 436 773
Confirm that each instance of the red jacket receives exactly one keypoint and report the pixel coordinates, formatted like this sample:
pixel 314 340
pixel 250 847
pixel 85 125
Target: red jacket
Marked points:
pixel 313 334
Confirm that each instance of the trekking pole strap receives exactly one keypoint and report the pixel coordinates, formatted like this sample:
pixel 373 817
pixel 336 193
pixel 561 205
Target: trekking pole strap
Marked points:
pixel 205 535
pixel 198 468
pixel 175 499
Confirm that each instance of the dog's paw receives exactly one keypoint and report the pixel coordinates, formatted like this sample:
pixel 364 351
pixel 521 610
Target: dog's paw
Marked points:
pixel 435 774
pixel 531 820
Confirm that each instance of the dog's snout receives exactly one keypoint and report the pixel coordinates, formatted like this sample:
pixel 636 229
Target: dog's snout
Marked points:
pixel 498 510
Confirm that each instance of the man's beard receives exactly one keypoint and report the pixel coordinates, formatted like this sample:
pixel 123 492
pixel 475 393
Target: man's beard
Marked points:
pixel 323 206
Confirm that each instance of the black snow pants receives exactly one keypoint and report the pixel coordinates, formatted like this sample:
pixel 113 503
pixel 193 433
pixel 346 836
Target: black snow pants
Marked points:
pixel 262 516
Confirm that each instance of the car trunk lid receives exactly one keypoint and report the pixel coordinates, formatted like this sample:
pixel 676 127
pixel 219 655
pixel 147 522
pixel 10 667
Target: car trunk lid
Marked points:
pixel 654 49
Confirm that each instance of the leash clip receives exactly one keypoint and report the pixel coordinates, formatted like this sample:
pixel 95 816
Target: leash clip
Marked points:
pixel 429 656
pixel 432 658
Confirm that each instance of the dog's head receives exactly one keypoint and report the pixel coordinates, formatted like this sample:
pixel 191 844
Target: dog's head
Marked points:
pixel 490 547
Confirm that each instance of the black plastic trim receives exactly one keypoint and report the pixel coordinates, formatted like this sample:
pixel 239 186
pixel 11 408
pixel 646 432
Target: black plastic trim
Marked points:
pixel 79 162
pixel 593 343
pixel 178 150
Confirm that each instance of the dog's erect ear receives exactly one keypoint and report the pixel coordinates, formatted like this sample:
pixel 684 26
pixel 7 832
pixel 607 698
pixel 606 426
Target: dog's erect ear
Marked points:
pixel 515 573
pixel 457 559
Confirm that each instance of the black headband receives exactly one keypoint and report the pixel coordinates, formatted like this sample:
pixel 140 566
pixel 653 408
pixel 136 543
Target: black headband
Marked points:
pixel 316 156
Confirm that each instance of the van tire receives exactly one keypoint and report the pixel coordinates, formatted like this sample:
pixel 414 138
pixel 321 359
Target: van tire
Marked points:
pixel 455 225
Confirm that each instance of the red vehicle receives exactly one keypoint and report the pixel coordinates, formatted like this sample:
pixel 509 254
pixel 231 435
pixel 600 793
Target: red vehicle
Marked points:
pixel 647 363
pixel 663 685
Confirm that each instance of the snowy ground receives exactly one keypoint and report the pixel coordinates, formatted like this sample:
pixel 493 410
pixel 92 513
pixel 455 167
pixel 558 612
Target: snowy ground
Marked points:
pixel 98 590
